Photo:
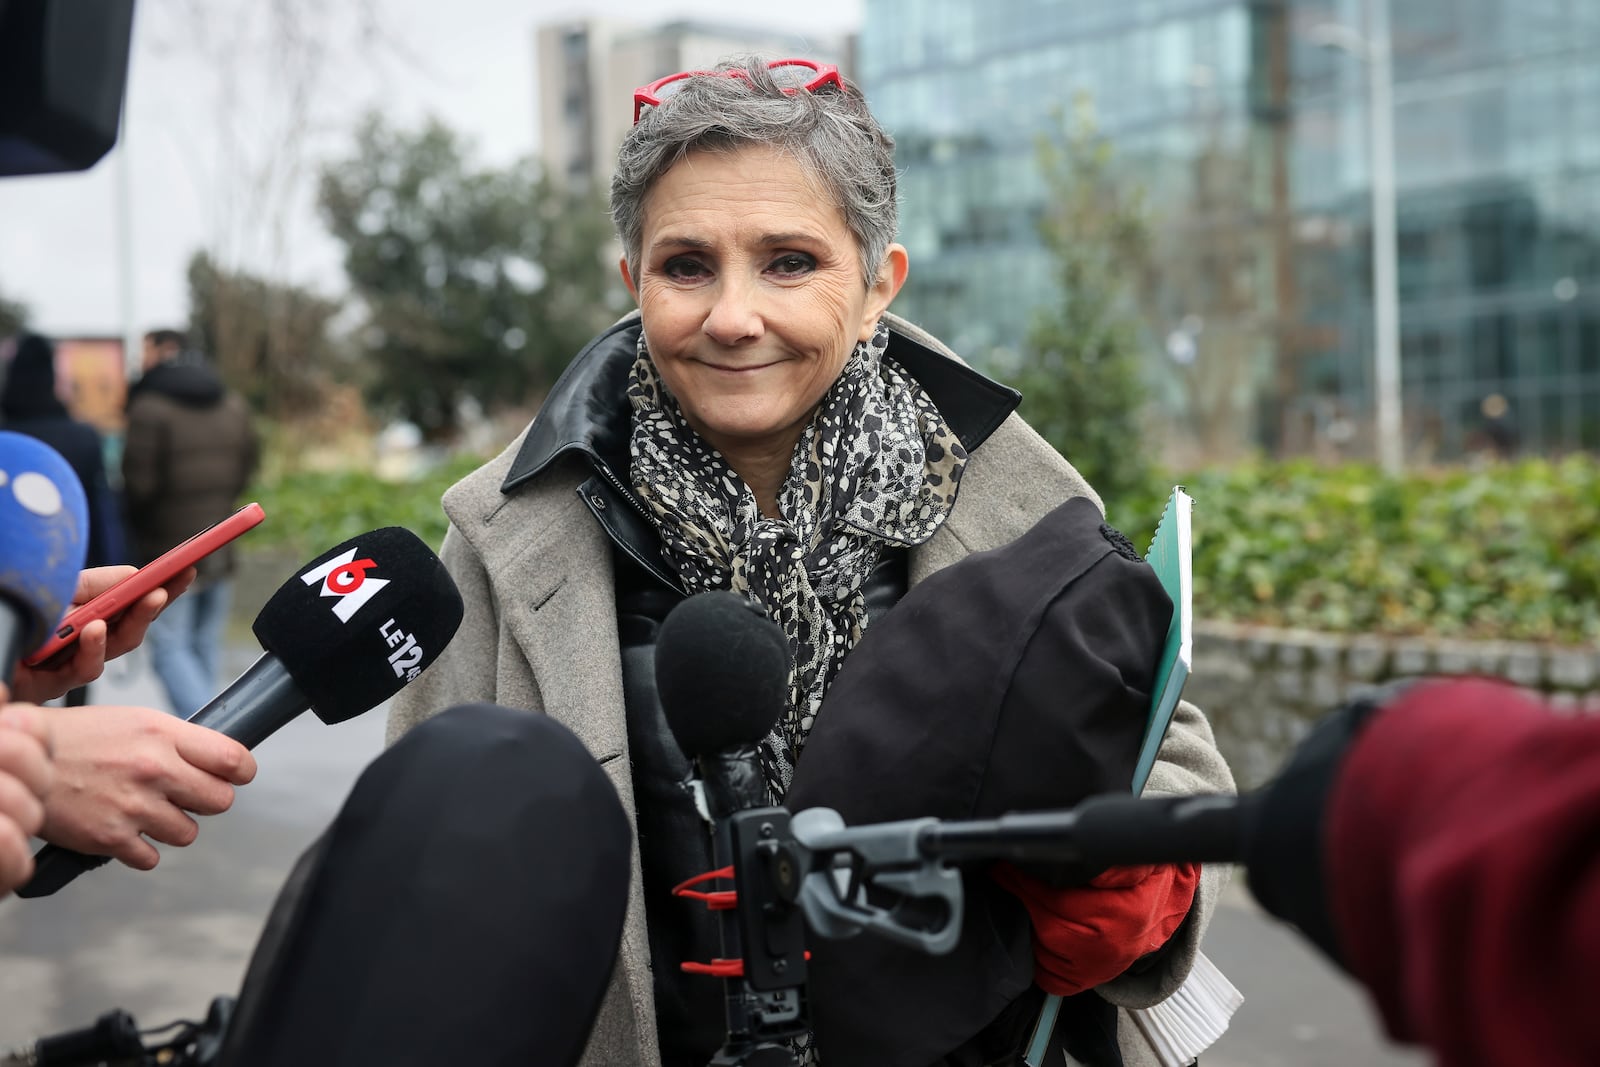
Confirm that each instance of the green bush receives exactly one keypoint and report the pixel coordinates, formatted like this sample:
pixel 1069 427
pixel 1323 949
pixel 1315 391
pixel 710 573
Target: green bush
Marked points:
pixel 309 511
pixel 1496 552
pixel 1499 552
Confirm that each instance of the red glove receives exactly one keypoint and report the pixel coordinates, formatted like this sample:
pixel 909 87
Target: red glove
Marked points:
pixel 1084 936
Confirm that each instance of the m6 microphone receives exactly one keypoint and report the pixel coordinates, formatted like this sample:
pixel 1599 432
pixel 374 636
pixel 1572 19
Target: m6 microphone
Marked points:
pixel 347 632
pixel 44 534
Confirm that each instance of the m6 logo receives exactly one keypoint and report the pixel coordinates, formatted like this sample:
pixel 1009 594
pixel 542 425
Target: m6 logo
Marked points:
pixel 345 577
pixel 406 659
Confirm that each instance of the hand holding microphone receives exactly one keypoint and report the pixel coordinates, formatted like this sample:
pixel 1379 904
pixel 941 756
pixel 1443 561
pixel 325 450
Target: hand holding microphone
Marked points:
pixel 341 636
pixel 127 773
pixel 1283 826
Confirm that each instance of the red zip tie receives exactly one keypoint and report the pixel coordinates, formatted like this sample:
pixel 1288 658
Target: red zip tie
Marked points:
pixel 720 968
pixel 716 900
pixel 716 968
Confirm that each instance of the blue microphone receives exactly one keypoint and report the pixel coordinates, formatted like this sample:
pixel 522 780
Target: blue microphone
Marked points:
pixel 44 534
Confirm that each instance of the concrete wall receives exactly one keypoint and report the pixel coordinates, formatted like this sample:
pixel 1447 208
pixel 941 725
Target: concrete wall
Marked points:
pixel 1262 688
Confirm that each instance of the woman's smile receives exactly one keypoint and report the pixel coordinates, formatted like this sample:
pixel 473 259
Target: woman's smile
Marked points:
pixel 739 368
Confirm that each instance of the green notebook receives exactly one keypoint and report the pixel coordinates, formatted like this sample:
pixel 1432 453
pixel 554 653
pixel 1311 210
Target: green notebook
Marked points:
pixel 1170 554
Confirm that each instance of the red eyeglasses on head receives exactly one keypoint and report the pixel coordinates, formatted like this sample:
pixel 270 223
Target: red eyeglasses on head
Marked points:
pixel 792 75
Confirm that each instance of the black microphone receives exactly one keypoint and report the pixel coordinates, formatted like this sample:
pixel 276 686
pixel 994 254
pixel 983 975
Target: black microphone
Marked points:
pixel 722 670
pixel 1111 830
pixel 343 635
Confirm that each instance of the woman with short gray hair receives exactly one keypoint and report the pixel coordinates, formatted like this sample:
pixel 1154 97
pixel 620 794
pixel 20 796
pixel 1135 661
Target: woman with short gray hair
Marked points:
pixel 765 425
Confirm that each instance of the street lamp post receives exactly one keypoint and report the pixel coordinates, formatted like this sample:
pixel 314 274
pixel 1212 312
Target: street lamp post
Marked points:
pixel 1374 50
pixel 132 358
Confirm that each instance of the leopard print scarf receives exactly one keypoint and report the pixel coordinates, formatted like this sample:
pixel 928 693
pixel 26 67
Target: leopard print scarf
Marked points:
pixel 876 466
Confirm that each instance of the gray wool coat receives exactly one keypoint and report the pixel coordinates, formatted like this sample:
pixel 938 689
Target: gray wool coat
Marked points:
pixel 540 632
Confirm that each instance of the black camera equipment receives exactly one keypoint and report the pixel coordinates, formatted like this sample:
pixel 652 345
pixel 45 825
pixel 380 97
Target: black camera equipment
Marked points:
pixel 898 881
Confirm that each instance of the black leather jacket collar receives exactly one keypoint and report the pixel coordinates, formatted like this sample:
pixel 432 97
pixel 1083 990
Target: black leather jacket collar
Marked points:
pixel 584 411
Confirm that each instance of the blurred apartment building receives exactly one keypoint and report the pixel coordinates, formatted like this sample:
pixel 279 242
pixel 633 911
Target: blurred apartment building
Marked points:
pixel 1246 122
pixel 588 69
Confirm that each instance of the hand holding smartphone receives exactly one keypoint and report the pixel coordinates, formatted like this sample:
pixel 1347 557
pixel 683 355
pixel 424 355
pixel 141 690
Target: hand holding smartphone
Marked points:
pixel 152 576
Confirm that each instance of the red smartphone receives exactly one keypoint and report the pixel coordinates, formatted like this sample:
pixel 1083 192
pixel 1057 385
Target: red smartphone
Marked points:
pixel 153 575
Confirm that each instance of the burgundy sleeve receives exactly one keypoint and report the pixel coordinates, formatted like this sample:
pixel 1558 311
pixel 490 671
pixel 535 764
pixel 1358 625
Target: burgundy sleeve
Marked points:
pixel 1464 859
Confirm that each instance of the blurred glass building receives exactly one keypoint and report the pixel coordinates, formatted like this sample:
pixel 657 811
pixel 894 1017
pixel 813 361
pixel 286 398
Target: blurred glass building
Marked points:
pixel 1246 122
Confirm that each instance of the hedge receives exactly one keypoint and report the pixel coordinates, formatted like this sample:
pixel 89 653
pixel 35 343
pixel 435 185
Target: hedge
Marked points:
pixel 1509 551
pixel 1503 551
pixel 309 511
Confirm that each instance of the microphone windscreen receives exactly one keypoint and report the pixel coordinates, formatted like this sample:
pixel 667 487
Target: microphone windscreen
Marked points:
pixel 44 532
pixel 722 669
pixel 361 620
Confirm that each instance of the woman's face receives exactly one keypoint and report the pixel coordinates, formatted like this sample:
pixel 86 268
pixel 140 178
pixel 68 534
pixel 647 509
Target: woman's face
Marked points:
pixel 751 294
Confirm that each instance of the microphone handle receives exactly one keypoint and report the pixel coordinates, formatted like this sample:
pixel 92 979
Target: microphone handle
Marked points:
pixel 1123 831
pixel 733 783
pixel 259 701
pixel 1103 831
pixel 54 867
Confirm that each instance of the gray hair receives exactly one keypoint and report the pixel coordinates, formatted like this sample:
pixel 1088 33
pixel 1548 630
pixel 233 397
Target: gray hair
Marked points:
pixel 832 133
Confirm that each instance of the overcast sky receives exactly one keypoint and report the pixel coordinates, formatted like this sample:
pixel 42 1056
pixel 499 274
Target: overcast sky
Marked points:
pixel 212 154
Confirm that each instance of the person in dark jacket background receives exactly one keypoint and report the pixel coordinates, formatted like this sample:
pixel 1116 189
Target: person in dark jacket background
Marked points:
pixel 189 453
pixel 29 404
